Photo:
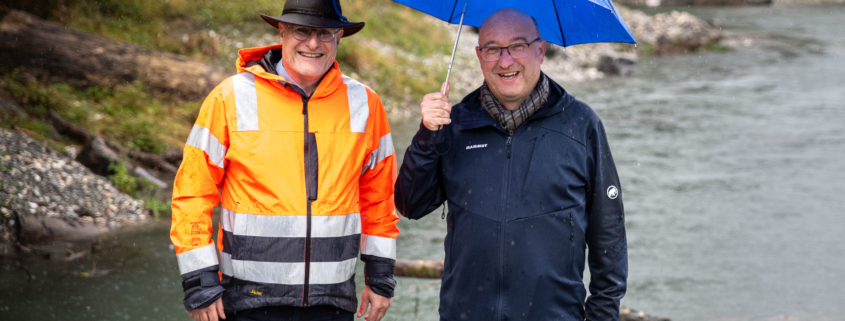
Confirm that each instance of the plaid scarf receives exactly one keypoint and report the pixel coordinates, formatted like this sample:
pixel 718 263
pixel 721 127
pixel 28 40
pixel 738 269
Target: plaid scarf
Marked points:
pixel 511 119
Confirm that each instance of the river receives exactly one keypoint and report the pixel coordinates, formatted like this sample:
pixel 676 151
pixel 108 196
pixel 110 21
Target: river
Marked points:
pixel 732 170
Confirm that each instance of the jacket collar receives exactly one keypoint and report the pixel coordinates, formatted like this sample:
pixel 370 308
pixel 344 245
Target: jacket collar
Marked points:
pixel 471 115
pixel 262 63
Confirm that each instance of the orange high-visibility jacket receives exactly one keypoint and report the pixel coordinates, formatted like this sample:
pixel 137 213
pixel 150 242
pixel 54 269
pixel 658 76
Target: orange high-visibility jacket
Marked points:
pixel 305 183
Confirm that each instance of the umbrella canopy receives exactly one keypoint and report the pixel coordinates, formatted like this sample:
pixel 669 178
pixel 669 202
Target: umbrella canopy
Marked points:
pixel 563 22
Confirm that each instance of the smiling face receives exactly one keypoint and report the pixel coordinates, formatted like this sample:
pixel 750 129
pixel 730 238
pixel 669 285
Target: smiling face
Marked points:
pixel 307 60
pixel 511 80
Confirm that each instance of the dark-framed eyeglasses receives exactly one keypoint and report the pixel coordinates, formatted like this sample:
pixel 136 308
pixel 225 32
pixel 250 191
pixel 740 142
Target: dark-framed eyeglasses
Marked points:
pixel 517 50
pixel 303 33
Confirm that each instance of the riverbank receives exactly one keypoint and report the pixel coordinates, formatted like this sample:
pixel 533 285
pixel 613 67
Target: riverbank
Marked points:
pixel 45 195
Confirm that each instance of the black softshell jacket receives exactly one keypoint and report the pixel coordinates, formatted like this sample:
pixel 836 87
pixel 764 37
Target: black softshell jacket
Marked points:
pixel 523 209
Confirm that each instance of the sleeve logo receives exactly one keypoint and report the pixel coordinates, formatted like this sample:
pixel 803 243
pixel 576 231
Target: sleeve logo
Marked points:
pixel 612 192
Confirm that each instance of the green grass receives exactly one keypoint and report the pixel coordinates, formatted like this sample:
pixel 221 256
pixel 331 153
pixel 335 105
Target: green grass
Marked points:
pixel 163 25
pixel 122 180
pixel 715 47
pixel 160 24
pixel 126 115
pixel 157 207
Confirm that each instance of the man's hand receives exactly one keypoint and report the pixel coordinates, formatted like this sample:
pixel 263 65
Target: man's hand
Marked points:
pixel 209 313
pixel 379 303
pixel 436 108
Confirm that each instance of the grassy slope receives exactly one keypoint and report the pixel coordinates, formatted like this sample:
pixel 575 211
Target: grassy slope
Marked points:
pixel 131 116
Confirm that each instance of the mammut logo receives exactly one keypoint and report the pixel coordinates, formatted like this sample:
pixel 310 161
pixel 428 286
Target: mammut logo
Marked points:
pixel 255 292
pixel 612 192
pixel 477 146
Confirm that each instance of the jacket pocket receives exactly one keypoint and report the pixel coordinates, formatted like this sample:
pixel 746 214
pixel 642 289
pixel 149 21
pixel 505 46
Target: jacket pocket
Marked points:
pixel 539 264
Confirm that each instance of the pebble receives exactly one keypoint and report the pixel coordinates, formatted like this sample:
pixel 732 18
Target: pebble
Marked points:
pixel 35 180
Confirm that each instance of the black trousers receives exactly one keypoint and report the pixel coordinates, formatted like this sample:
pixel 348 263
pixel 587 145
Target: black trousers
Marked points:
pixel 281 313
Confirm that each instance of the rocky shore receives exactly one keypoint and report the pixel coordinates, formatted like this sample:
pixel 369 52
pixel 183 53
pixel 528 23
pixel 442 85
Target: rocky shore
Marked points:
pixel 46 195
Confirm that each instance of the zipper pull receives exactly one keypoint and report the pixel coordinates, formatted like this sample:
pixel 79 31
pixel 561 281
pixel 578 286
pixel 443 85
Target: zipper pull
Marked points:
pixel 443 215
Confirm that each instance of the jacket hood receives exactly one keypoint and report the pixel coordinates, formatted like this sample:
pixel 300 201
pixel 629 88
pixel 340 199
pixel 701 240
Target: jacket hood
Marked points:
pixel 261 62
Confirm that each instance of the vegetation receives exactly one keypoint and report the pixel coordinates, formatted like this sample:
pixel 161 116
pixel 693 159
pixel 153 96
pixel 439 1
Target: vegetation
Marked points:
pixel 121 179
pixel 387 60
pixel 157 207
pixel 183 26
pixel 126 115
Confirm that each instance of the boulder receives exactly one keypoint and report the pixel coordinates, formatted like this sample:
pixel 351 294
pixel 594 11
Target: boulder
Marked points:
pixel 617 64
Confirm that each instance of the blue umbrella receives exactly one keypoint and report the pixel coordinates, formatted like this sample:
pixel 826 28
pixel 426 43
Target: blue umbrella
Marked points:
pixel 563 22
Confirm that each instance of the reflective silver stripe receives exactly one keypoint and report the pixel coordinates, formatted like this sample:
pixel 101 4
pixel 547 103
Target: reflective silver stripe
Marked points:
pixel 227 219
pixel 202 138
pixel 226 263
pixel 359 110
pixel 289 225
pixel 378 246
pixel 385 149
pixel 335 226
pixel 287 273
pixel 331 272
pixel 198 258
pixel 246 101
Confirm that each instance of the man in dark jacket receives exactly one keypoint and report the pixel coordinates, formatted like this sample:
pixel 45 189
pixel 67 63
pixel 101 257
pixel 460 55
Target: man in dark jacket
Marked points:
pixel 530 184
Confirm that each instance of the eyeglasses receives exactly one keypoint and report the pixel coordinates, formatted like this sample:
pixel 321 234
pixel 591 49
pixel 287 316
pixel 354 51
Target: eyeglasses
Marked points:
pixel 303 33
pixel 517 50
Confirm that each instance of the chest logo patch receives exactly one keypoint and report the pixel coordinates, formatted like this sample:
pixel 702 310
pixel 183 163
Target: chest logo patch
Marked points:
pixel 612 192
pixel 477 146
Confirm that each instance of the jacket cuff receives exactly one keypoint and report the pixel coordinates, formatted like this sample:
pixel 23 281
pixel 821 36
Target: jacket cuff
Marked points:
pixel 378 274
pixel 201 288
pixel 425 139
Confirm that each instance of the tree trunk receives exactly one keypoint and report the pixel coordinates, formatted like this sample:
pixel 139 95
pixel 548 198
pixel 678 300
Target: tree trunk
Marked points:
pixel 61 54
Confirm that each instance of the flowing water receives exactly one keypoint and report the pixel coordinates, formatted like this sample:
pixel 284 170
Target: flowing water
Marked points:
pixel 731 163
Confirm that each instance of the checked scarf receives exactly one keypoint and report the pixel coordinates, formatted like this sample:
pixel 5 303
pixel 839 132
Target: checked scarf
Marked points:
pixel 511 119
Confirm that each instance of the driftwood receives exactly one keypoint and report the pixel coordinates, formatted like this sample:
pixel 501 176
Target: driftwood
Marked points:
pixel 82 59
pixel 98 153
pixel 36 229
pixel 419 268
pixel 628 314
pixel 71 130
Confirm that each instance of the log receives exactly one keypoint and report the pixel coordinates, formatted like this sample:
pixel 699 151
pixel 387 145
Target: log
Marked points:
pixel 418 268
pixel 96 154
pixel 152 160
pixel 60 54
pixel 628 314
pixel 36 229
pixel 74 131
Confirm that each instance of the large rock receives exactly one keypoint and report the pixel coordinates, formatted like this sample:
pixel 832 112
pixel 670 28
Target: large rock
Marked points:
pixel 618 64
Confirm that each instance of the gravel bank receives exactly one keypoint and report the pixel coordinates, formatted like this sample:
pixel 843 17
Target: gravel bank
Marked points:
pixel 39 183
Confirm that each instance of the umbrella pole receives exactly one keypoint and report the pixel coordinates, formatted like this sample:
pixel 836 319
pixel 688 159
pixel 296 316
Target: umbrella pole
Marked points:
pixel 449 72
pixel 455 48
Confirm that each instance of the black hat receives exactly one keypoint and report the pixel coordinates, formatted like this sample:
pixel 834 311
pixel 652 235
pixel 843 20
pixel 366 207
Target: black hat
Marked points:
pixel 315 13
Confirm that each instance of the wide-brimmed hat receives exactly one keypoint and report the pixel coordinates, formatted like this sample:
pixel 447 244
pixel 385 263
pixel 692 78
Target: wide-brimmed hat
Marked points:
pixel 315 13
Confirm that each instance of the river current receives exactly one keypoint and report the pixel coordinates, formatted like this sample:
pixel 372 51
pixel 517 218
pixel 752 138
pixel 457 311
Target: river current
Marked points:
pixel 732 166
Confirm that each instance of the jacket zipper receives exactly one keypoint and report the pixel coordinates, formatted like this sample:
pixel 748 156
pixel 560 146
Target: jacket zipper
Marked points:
pixel 502 229
pixel 308 183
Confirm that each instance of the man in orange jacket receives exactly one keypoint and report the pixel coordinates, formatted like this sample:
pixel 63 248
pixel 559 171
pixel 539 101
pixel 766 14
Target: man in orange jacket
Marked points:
pixel 302 159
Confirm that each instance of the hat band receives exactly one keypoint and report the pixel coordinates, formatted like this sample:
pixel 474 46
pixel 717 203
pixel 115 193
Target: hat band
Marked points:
pixel 309 12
